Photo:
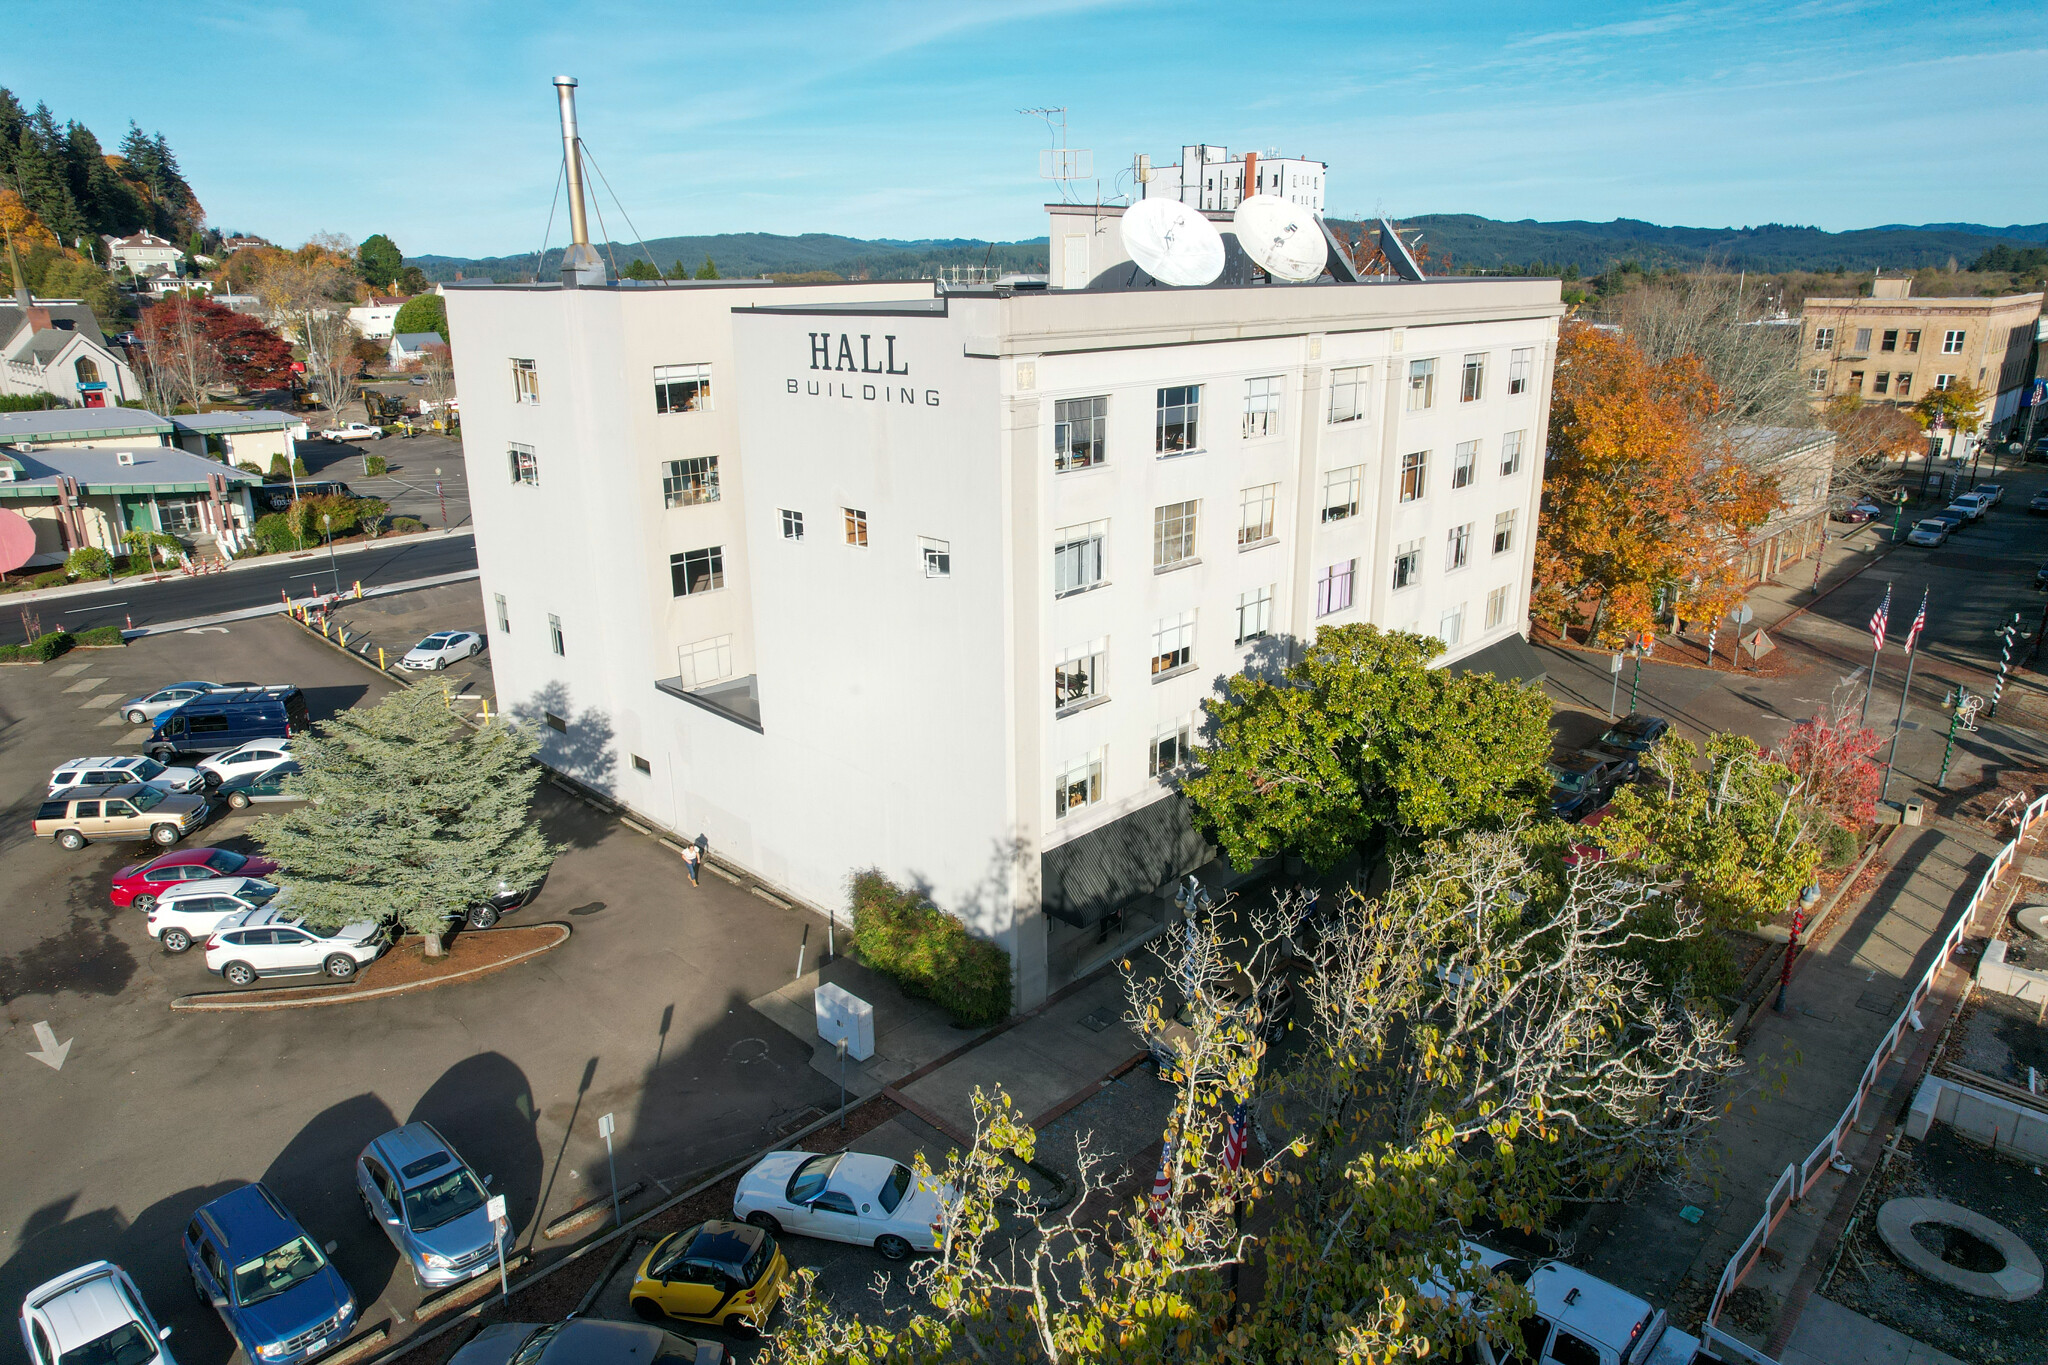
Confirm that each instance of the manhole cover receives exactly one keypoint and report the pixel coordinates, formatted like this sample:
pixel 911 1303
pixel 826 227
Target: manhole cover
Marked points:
pixel 1879 1001
pixel 1100 1020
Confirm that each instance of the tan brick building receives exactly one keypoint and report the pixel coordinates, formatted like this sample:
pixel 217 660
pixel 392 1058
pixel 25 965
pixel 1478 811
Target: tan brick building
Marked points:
pixel 1893 348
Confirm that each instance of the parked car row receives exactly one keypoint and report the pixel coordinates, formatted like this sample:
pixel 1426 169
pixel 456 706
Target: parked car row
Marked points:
pixel 1933 531
pixel 1583 782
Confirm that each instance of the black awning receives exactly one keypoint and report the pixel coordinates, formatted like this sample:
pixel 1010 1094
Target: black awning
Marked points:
pixel 1511 660
pixel 1091 877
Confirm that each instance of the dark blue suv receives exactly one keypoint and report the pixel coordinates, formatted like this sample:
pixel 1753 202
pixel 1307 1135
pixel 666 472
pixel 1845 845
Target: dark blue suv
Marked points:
pixel 277 1294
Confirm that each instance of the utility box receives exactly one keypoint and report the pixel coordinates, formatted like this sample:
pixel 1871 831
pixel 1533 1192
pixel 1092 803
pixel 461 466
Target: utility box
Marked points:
pixel 843 1016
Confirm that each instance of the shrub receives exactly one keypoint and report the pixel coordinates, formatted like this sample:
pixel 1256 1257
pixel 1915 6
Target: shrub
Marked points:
pixel 273 532
pixel 374 465
pixel 101 635
pixel 87 561
pixel 41 650
pixel 55 578
pixel 299 467
pixel 401 525
pixel 278 468
pixel 1838 847
pixel 928 952
pixel 249 467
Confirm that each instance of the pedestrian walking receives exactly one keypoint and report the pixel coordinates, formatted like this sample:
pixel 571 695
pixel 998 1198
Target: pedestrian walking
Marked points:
pixel 690 862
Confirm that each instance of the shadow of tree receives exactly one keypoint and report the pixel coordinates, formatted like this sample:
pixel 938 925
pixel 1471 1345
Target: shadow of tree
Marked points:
pixel 581 749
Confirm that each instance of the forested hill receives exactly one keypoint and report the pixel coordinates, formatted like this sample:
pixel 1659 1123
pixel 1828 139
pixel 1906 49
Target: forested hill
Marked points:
pixel 73 188
pixel 766 253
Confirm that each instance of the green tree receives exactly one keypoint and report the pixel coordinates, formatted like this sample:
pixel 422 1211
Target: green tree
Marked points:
pixel 1362 735
pixel 413 280
pixel 640 268
pixel 677 270
pixel 412 815
pixel 378 261
pixel 707 271
pixel 1959 407
pixel 426 313
pixel 1739 838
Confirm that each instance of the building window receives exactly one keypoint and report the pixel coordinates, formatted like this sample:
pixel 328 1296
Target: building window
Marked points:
pixel 1079 675
pixel 706 661
pixel 685 483
pixel 1880 382
pixel 1173 643
pixel 1816 380
pixel 1458 551
pixel 1521 361
pixel 1855 381
pixel 525 382
pixel 1173 534
pixel 555 635
pixel 1414 468
pixel 1464 464
pixel 1504 532
pixel 1823 338
pixel 87 370
pixel 938 557
pixel 1079 426
pixel 504 618
pixel 856 526
pixel 1347 393
pixel 1510 453
pixel 642 766
pixel 178 514
pixel 1496 607
pixel 1172 748
pixel 1912 343
pixel 1333 588
pixel 1862 341
pixel 682 388
pixel 1472 379
pixel 1340 493
pixel 1077 557
pixel 1891 340
pixel 1942 381
pixel 1179 419
pixel 1421 385
pixel 1261 407
pixel 792 525
pixel 558 724
pixel 1951 343
pixel 1255 514
pixel 1450 628
pixel 1903 387
pixel 1254 614
pixel 525 467
pixel 1408 564
pixel 1078 784
pixel 695 571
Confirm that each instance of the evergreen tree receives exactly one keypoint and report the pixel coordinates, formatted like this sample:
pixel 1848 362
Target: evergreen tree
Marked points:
pixel 11 120
pixel 378 261
pixel 678 271
pixel 412 816
pixel 640 268
pixel 44 188
pixel 707 271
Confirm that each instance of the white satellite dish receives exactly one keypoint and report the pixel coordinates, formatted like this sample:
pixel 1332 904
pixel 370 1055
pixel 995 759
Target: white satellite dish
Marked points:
pixel 1171 242
pixel 1282 238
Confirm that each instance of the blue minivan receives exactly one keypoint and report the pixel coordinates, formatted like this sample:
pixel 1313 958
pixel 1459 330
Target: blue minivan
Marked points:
pixel 273 1288
pixel 215 722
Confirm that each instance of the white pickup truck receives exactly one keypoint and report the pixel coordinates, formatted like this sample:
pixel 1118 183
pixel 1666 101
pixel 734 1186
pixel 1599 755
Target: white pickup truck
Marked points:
pixel 1580 1320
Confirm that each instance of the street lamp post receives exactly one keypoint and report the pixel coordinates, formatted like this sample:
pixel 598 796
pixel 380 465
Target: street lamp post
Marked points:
pixel 1807 899
pixel 327 523
pixel 442 496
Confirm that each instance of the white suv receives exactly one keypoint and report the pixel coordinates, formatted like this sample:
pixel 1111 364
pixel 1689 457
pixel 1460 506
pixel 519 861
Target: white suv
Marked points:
pixel 80 775
pixel 189 911
pixel 262 942
pixel 258 755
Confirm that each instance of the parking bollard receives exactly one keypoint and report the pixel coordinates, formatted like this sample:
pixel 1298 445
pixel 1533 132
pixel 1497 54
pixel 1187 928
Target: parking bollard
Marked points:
pixel 380 659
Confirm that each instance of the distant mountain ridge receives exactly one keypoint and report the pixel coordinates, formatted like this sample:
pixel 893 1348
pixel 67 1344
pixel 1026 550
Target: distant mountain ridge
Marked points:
pixel 1473 243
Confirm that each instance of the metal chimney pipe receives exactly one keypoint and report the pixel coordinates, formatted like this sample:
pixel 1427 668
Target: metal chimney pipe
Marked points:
pixel 580 265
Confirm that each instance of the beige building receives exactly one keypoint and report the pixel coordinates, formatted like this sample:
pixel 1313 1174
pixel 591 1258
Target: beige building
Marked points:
pixel 1894 348
pixel 1803 461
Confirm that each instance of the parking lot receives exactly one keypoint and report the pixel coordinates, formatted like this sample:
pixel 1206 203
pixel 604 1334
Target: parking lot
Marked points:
pixel 642 1014
pixel 423 478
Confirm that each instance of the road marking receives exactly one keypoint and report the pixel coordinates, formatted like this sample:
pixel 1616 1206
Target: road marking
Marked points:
pixel 70 670
pixel 103 699
pixel 317 573
pixel 207 630
pixel 103 606
pixel 116 719
pixel 51 1053
pixel 86 684
pixel 137 736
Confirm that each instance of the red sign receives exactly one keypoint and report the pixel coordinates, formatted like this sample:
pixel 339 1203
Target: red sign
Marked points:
pixel 298 367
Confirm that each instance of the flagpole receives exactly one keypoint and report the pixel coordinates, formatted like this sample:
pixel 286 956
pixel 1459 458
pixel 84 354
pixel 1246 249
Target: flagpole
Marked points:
pixel 1864 716
pixel 1899 725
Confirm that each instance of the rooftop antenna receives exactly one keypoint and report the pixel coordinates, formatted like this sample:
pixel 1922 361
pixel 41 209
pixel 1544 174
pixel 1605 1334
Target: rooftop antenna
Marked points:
pixel 580 266
pixel 1172 242
pixel 1283 239
pixel 1060 163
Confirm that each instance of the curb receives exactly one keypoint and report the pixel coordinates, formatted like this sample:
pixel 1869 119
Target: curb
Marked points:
pixel 34 595
pixel 222 1001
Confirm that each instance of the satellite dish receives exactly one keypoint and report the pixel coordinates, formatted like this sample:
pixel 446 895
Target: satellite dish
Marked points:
pixel 1281 237
pixel 1171 242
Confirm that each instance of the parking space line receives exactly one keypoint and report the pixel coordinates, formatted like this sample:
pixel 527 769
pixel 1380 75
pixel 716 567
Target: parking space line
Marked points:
pixel 136 736
pixel 116 719
pixel 104 699
pixel 100 606
pixel 70 670
pixel 86 684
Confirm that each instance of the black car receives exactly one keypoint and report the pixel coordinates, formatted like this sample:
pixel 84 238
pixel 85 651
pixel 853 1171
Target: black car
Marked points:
pixel 1629 738
pixel 2039 502
pixel 494 907
pixel 1956 520
pixel 1580 783
pixel 278 496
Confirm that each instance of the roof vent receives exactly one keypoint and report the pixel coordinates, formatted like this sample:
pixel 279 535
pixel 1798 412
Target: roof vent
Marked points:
pixel 124 457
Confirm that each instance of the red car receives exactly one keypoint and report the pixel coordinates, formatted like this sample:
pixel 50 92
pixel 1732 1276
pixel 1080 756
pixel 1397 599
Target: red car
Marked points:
pixel 142 883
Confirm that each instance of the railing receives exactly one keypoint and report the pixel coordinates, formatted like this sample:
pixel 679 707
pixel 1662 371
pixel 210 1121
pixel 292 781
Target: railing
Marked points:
pixel 1797 1180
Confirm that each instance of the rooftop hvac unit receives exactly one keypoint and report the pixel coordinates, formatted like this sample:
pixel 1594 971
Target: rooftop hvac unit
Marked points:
pixel 124 457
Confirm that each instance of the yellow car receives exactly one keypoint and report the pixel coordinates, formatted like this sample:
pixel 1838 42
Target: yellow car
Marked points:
pixel 727 1274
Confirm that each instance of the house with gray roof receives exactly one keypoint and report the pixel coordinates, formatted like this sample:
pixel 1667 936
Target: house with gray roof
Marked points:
pixel 239 437
pixel 55 346
pixel 410 348
pixel 124 427
pixel 74 496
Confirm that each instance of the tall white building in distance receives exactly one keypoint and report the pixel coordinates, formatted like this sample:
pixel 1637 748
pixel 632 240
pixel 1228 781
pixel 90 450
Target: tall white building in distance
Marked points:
pixel 871 575
pixel 1211 178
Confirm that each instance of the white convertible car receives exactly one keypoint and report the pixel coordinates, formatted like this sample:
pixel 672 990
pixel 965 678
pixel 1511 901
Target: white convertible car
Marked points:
pixel 844 1196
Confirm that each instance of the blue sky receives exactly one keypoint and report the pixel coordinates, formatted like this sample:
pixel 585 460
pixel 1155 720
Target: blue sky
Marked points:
pixel 435 122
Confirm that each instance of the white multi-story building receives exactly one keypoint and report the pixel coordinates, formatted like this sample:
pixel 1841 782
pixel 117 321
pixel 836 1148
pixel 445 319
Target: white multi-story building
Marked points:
pixel 1211 178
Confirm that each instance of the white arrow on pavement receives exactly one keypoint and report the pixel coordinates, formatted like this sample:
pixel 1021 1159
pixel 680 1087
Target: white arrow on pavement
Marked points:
pixel 51 1053
pixel 207 630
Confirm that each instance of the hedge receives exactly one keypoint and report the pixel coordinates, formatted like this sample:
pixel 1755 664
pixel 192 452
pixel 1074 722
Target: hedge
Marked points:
pixel 928 952
pixel 42 650
pixel 274 533
pixel 101 635
pixel 87 561
pixel 374 465
pixel 1838 847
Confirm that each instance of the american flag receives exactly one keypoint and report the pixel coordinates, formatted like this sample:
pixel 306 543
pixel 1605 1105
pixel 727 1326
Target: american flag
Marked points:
pixel 1236 1137
pixel 1880 616
pixel 1163 1182
pixel 1918 622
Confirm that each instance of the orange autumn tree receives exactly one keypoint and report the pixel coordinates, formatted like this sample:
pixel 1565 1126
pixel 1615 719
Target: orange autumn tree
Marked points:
pixel 1639 491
